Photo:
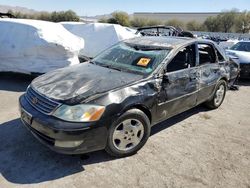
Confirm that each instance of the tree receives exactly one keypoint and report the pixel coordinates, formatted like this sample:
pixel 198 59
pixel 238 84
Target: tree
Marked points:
pixel 121 18
pixel 113 21
pixel 175 23
pixel 103 20
pixel 227 20
pixel 154 22
pixel 194 26
pixel 138 22
pixel 70 16
pixel 54 16
pixel 242 22
pixel 212 24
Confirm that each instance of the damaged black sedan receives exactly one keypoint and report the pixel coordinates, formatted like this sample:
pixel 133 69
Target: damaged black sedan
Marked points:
pixel 113 101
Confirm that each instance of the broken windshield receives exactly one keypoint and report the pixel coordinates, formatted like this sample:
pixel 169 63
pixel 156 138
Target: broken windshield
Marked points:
pixel 132 58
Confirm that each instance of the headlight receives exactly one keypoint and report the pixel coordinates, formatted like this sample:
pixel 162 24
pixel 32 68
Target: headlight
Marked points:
pixel 79 113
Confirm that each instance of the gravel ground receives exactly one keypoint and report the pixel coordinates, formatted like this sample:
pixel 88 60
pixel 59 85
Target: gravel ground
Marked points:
pixel 198 148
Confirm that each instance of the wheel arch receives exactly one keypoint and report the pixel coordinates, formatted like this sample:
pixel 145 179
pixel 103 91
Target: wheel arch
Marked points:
pixel 224 78
pixel 141 107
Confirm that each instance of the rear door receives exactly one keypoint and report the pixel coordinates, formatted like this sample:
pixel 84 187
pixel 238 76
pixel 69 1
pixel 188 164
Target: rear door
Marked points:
pixel 209 71
pixel 180 84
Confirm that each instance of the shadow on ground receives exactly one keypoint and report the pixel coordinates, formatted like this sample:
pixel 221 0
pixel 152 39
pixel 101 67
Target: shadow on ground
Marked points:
pixel 25 161
pixel 244 82
pixel 176 119
pixel 14 81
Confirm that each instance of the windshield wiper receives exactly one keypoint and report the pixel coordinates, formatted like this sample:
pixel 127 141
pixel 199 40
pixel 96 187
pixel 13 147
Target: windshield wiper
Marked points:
pixel 109 67
pixel 92 62
pixel 115 68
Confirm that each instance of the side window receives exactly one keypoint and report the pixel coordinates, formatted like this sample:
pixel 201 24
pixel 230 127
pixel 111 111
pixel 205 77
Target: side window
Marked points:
pixel 220 57
pixel 184 58
pixel 206 54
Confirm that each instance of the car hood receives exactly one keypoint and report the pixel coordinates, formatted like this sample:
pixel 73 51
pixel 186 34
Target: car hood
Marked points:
pixel 81 81
pixel 243 57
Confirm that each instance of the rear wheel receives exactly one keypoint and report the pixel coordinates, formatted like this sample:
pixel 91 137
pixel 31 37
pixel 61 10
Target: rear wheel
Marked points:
pixel 219 95
pixel 128 134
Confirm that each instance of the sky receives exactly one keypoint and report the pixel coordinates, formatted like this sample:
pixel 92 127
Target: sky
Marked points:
pixel 100 7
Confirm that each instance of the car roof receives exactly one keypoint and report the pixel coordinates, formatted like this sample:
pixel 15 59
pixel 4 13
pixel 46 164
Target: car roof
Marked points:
pixel 165 42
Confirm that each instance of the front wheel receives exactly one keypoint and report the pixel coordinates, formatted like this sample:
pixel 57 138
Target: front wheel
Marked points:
pixel 219 95
pixel 128 133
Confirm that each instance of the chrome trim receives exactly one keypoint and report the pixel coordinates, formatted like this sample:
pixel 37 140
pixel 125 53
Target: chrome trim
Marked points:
pixel 44 105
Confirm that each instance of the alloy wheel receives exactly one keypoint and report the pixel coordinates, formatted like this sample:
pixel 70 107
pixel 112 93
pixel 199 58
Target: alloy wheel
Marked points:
pixel 128 134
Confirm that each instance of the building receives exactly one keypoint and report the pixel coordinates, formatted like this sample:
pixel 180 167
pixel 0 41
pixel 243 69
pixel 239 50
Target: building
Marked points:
pixel 184 17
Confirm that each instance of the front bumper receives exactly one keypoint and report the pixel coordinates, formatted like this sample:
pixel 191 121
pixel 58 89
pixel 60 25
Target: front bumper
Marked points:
pixel 50 130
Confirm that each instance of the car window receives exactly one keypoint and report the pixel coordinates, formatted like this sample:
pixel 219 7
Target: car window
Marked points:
pixel 132 58
pixel 206 54
pixel 220 57
pixel 184 58
pixel 241 46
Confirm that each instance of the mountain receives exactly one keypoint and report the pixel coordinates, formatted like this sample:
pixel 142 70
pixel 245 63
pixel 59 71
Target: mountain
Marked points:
pixel 5 8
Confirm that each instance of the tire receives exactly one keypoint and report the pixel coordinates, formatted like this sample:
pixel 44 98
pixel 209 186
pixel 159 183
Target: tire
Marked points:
pixel 218 96
pixel 128 133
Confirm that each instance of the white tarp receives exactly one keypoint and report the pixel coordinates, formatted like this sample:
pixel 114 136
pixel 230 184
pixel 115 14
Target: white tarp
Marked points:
pixel 98 36
pixel 32 46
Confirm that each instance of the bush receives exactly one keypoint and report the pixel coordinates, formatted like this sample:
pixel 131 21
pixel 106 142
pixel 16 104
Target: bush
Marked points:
pixel 227 21
pixel 54 16
pixel 154 22
pixel 194 26
pixel 242 22
pixel 175 23
pixel 138 22
pixel 212 24
pixel 119 17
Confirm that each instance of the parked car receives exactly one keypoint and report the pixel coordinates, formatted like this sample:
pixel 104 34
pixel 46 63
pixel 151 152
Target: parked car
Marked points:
pixel 113 101
pixel 240 53
pixel 162 30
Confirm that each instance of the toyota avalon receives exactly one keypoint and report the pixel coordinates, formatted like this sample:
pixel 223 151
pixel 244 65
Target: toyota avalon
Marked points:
pixel 112 101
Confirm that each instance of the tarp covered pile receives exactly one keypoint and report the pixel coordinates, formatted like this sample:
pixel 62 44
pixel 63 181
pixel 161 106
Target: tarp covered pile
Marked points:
pixel 31 46
pixel 98 36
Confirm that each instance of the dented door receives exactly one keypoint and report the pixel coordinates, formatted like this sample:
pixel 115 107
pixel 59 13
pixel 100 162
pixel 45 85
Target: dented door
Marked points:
pixel 179 93
pixel 209 74
pixel 209 71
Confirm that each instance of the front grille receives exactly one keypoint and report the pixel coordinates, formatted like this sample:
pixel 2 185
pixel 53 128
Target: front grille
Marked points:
pixel 40 102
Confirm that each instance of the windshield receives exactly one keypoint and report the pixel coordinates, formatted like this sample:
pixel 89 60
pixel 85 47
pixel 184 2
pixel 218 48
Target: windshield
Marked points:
pixel 132 58
pixel 241 46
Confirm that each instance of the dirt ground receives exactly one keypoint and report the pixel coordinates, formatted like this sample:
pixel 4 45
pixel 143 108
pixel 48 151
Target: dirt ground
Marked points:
pixel 198 148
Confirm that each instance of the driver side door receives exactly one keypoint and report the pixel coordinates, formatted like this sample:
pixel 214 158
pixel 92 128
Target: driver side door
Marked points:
pixel 180 84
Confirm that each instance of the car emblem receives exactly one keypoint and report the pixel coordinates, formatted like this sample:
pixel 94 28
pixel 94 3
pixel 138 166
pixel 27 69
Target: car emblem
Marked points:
pixel 34 100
